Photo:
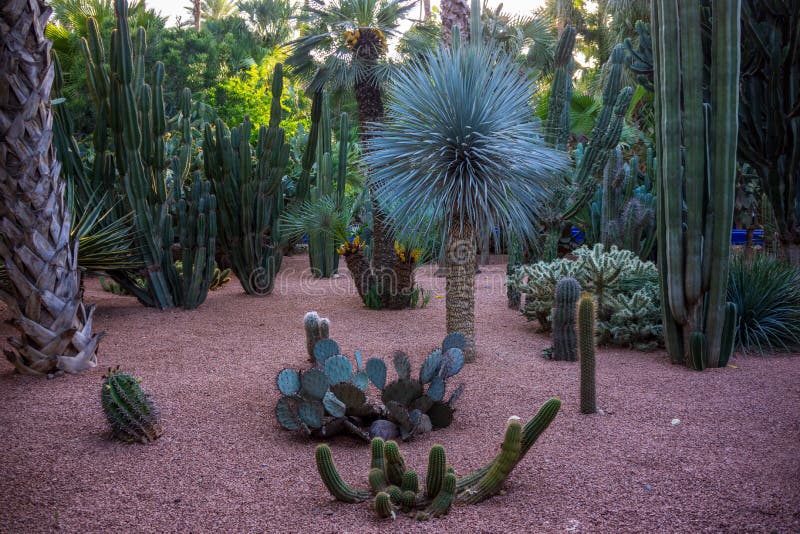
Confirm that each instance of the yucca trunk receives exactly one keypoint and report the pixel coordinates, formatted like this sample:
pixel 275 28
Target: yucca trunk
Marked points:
pixel 55 329
pixel 460 284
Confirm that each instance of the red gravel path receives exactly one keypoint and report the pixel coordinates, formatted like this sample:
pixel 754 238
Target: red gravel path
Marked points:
pixel 732 464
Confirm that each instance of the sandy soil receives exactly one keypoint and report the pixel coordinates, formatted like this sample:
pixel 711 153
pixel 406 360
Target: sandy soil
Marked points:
pixel 732 464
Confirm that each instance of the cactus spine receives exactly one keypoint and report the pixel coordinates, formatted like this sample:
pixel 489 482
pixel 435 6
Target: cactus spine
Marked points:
pixel 696 141
pixel 129 411
pixel 251 195
pixel 565 345
pixel 442 486
pixel 586 316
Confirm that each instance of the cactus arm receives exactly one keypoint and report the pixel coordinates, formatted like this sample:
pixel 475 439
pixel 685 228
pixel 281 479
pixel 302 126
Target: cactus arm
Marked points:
pixel 444 498
pixel 726 36
pixel 333 481
pixel 437 466
pixel 530 434
pixel 672 333
pixel 670 155
pixel 493 480
pixel 341 174
pixel 586 329
pixel 691 72
pixel 383 506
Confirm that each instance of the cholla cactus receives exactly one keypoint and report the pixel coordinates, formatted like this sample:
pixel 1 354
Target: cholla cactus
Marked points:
pixel 635 320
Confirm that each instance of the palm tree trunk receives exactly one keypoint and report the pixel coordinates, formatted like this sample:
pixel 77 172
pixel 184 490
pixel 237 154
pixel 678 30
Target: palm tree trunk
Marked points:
pixel 196 14
pixel 369 98
pixel 55 329
pixel 455 12
pixel 460 284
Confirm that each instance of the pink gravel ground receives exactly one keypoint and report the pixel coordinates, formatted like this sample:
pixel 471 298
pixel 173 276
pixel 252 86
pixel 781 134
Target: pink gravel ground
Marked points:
pixel 732 464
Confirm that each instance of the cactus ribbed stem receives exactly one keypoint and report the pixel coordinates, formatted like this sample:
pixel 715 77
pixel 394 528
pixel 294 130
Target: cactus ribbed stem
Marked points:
pixel 376 448
pixel 395 465
pixel 377 479
pixel 493 480
pixel 383 506
pixel 586 329
pixel 130 413
pixel 333 481
pixel 410 481
pixel 533 429
pixel 565 344
pixel 444 498
pixel 437 464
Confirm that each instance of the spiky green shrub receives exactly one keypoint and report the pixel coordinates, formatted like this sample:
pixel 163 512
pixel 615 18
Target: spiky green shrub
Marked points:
pixel 766 292
pixel 609 274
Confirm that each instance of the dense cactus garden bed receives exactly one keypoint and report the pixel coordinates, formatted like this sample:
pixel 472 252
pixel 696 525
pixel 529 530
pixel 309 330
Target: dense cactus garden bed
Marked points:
pixel 670 450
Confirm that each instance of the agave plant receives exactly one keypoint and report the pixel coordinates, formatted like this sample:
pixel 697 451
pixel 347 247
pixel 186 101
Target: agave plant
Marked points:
pixel 459 140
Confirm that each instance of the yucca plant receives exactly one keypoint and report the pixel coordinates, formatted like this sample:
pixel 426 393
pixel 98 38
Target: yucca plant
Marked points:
pixel 459 141
pixel 766 292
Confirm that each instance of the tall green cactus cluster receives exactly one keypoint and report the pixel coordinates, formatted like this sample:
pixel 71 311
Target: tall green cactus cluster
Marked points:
pixel 129 142
pixel 557 126
pixel 396 488
pixel 696 135
pixel 248 184
pixel 130 412
pixel 321 200
pixel 623 208
pixel 565 344
pixel 605 135
pixel 586 328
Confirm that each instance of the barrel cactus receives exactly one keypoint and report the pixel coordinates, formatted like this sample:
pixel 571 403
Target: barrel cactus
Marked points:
pixel 397 488
pixel 565 345
pixel 130 412
pixel 316 328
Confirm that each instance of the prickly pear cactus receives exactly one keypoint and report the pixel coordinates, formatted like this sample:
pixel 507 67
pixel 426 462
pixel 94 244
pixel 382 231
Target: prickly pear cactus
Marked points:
pixel 397 489
pixel 130 412
pixel 565 344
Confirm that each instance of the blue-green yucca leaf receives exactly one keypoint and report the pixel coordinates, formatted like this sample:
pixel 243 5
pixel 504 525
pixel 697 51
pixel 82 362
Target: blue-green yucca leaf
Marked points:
pixel 460 139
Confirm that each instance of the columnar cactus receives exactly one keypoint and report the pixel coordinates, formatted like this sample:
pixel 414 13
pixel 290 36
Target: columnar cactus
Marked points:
pixel 586 318
pixel 248 184
pixel 130 412
pixel 565 346
pixel 316 328
pixel 696 138
pixel 557 127
pixel 130 145
pixel 442 487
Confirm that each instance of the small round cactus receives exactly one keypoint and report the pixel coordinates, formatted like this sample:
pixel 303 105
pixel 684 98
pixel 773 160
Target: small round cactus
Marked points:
pixel 130 412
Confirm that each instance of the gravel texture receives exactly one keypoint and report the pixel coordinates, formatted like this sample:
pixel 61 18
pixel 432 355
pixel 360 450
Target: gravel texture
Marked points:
pixel 732 463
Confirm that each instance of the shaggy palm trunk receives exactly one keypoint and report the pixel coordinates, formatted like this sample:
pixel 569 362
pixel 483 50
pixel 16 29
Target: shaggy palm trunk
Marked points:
pixel 196 14
pixel 460 284
pixel 393 284
pixel 455 13
pixel 55 329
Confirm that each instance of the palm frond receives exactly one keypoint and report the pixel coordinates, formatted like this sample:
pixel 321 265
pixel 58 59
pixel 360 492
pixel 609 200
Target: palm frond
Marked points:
pixel 322 216
pixel 459 141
